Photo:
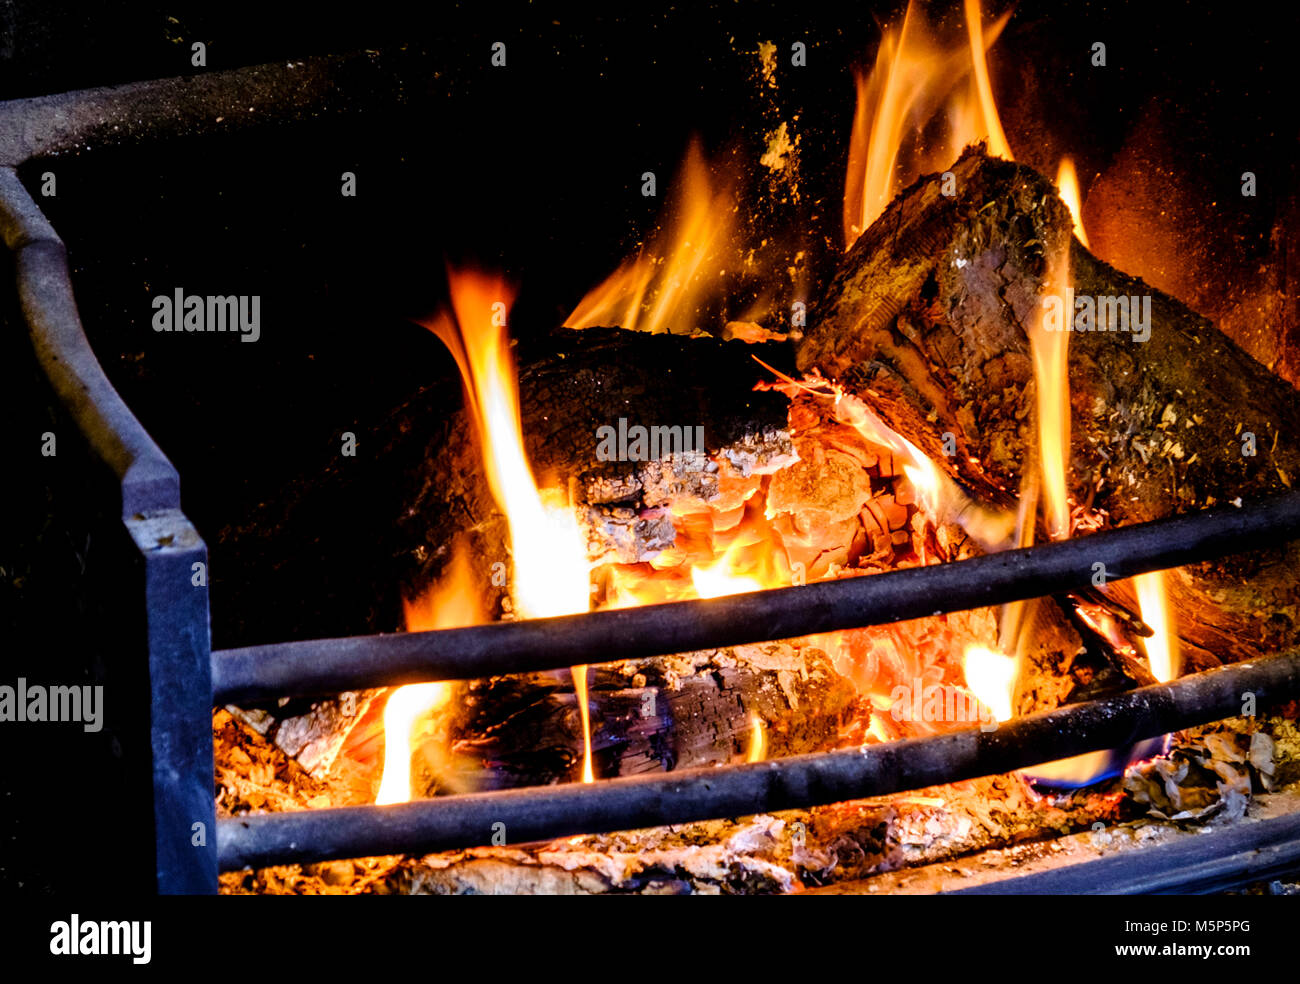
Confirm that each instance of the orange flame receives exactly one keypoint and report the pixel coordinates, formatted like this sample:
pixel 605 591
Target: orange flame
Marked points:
pixel 1067 183
pixel 1162 646
pixel 1052 388
pixel 551 572
pixel 908 87
pixel 450 604
pixel 757 739
pixel 662 288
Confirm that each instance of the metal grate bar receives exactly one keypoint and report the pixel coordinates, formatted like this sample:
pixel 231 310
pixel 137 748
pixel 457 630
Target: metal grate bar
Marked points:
pixel 331 666
pixel 545 812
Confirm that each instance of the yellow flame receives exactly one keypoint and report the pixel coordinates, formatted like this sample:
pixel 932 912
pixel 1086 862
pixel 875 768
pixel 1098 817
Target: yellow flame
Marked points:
pixel 910 84
pixel 584 709
pixel 990 123
pixel 551 572
pixel 1050 350
pixel 1067 183
pixel 757 739
pixel 405 705
pixel 720 578
pixel 661 288
pixel 450 604
pixel 991 677
pixel 1162 647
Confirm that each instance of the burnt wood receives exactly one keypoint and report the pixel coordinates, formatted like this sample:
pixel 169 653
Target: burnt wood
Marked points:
pixel 927 317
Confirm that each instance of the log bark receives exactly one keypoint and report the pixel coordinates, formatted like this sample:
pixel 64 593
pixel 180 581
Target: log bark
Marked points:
pixel 927 318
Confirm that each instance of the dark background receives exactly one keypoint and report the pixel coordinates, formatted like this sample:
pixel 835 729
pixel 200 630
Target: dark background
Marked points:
pixel 535 170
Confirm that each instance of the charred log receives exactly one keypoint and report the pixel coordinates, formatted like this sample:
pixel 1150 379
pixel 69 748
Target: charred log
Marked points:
pixel 653 715
pixel 927 320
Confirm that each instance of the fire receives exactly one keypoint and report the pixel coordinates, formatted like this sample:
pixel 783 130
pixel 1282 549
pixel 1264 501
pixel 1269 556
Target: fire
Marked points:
pixel 922 101
pixel 450 604
pixel 912 83
pixel 990 123
pixel 1067 183
pixel 991 677
pixel 663 286
pixel 757 739
pixel 1162 645
pixel 723 576
pixel 1052 388
pixel 551 572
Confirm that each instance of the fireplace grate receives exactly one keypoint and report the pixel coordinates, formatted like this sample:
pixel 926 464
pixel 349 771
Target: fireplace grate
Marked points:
pixel 188 679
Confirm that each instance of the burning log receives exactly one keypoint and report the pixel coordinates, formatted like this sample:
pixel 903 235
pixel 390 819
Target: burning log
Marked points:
pixel 929 318
pixel 649 715
pixel 421 485
pixel 624 423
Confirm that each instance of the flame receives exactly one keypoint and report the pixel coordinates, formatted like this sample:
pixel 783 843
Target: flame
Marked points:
pixel 551 572
pixel 991 677
pixel 1067 183
pixel 990 123
pixel 450 604
pixel 937 494
pixel 757 739
pixel 723 576
pixel 1050 353
pixel 910 85
pixel 584 709
pixel 1162 645
pixel 662 288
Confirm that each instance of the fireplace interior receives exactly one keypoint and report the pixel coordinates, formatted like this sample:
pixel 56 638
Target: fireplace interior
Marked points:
pixel 720 390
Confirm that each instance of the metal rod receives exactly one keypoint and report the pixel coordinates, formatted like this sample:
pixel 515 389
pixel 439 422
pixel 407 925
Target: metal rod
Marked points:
pixel 546 812
pixel 328 666
pixel 1197 865
pixel 203 103
pixel 147 479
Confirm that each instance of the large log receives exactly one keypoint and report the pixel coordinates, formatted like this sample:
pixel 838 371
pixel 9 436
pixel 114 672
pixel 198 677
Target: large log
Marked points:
pixel 652 715
pixel 927 320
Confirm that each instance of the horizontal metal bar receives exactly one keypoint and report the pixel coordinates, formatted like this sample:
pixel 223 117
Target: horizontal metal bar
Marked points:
pixel 328 666
pixel 1226 859
pixel 202 103
pixel 547 812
